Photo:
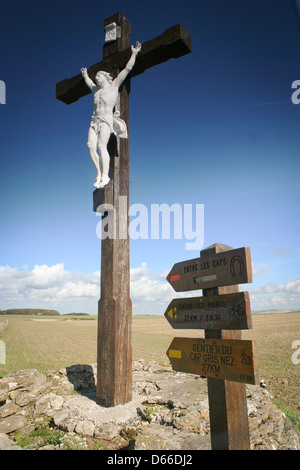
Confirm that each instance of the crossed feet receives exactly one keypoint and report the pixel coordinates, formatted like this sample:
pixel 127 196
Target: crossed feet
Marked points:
pixel 101 182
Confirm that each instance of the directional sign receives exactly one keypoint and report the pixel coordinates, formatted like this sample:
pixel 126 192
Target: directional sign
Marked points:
pixel 233 360
pixel 221 269
pixel 219 312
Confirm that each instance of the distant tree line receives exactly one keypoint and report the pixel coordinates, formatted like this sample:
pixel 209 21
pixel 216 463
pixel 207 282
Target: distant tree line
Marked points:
pixel 77 314
pixel 29 311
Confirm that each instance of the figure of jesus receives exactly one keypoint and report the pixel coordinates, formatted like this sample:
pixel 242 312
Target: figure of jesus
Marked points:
pixel 104 121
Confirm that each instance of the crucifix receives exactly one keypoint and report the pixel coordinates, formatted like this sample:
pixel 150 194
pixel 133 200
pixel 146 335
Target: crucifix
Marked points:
pixel 114 346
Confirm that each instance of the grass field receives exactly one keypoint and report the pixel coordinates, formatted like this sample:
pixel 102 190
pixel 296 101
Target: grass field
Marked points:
pixel 50 343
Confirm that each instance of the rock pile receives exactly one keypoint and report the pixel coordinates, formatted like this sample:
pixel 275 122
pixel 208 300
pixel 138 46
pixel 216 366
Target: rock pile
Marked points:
pixel 169 411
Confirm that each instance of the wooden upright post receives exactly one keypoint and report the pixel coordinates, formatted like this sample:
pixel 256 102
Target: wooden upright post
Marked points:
pixel 114 355
pixel 227 399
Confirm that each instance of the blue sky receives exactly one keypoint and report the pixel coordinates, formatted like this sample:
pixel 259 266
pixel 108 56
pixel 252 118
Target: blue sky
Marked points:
pixel 216 127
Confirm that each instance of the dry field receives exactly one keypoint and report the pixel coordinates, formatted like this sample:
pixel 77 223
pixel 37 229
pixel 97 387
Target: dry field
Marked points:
pixel 50 343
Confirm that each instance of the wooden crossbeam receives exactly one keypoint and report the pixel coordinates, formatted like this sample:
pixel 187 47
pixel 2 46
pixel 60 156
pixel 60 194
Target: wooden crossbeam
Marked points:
pixel 174 42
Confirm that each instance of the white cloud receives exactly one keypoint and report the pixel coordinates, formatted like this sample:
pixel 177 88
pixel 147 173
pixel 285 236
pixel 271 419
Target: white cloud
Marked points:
pixel 259 302
pixel 136 273
pixel 290 287
pixel 43 277
pixel 148 287
pixel 257 271
pixel 264 290
pixel 282 296
pixel 78 289
pixel 44 286
pixel 281 251
pixel 277 299
pixel 55 287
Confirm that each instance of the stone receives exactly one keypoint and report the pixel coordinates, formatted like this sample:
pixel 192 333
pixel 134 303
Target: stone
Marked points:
pixel 12 395
pixel 191 441
pixel 9 409
pixel 267 428
pixel 191 421
pixel 86 428
pixel 263 411
pixel 137 365
pixel 69 425
pixel 275 414
pixel 60 417
pixel 255 438
pixel 107 431
pixel 12 423
pixel 25 398
pixel 65 385
pixel 4 390
pixel 291 441
pixel 270 443
pixel 156 437
pixel 56 402
pixel 147 387
pixel 165 438
pixel 47 404
pixel 23 379
pixel 42 405
pixel 8 444
pixel 63 421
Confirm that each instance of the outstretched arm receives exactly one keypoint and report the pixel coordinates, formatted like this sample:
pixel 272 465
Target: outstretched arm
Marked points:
pixel 129 66
pixel 88 81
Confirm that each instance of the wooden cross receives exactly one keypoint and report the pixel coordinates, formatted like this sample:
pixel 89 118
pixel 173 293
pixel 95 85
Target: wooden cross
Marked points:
pixel 114 347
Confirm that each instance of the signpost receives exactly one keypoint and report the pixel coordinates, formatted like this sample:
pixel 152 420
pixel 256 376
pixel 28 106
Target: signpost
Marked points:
pixel 221 312
pixel 220 269
pixel 222 356
pixel 233 359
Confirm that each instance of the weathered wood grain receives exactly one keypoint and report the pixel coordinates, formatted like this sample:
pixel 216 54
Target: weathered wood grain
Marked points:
pixel 219 312
pixel 233 360
pixel 220 269
pixel 173 43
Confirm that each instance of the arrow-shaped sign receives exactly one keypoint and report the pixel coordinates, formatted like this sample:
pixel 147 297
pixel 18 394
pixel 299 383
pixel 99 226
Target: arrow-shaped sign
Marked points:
pixel 220 312
pixel 221 269
pixel 233 360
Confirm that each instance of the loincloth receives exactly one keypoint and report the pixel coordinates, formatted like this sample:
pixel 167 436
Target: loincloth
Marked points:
pixel 117 126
